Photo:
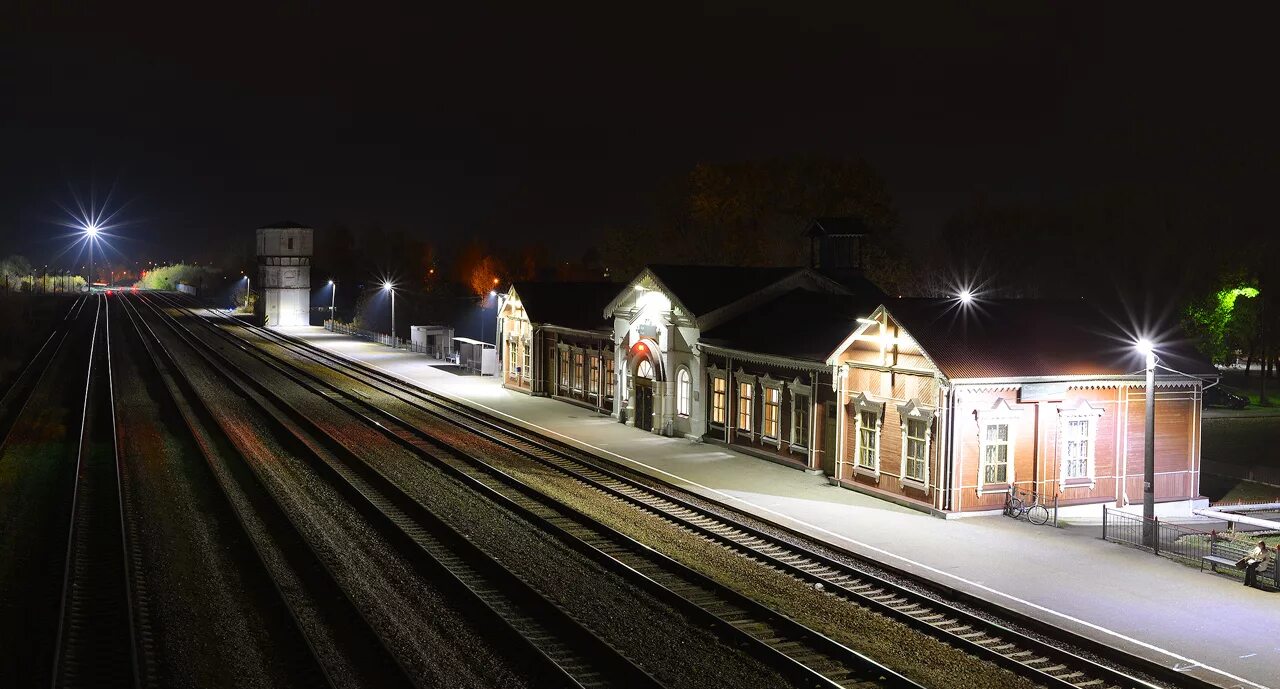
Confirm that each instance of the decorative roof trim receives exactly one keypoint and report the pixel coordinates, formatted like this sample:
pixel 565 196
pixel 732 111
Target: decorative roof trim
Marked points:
pixel 766 359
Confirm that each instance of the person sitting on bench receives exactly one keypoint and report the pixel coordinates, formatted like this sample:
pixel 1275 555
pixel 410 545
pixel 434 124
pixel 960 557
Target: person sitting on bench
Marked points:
pixel 1256 559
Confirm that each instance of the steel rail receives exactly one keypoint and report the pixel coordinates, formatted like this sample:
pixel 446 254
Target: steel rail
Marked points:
pixel 808 656
pixel 97 598
pixel 570 648
pixel 984 638
pixel 9 418
pixel 312 573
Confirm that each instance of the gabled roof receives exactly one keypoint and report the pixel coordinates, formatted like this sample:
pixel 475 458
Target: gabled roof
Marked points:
pixel 799 324
pixel 575 305
pixel 703 289
pixel 285 225
pixel 1024 338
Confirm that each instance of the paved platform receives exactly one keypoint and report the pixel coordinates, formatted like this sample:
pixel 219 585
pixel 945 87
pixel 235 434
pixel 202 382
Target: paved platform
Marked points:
pixel 1205 625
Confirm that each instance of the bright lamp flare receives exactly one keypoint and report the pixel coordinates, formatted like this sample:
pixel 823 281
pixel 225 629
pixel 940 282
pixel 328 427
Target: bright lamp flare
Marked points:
pixel 1145 347
pixel 91 230
pixel 965 296
pixel 387 285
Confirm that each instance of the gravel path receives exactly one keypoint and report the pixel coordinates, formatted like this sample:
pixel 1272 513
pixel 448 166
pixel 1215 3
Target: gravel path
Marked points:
pixel 658 637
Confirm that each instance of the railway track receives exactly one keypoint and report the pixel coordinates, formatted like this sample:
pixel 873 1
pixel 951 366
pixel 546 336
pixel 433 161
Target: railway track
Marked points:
pixel 809 658
pixel 566 647
pixel 100 641
pixel 1038 660
pixel 305 585
pixel 23 388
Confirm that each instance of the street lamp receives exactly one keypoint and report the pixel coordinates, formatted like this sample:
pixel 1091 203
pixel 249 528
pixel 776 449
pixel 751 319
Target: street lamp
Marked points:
pixel 91 237
pixel 1145 348
pixel 333 300
pixel 247 285
pixel 388 287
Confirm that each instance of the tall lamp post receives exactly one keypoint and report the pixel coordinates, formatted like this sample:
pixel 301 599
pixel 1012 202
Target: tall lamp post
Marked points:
pixel 91 233
pixel 333 300
pixel 392 289
pixel 1149 448
pixel 247 285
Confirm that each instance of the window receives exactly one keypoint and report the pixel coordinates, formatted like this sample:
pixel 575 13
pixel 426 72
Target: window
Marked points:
pixel 593 388
pixel 564 368
pixel 527 360
pixel 719 394
pixel 772 413
pixel 746 394
pixel 869 440
pixel 800 420
pixel 917 450
pixel 291 244
pixel 511 358
pixel 608 378
pixel 1077 434
pixel 995 453
pixel 683 388
pixel 579 363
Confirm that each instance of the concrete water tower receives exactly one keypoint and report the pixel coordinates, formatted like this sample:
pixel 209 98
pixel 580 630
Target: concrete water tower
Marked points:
pixel 284 273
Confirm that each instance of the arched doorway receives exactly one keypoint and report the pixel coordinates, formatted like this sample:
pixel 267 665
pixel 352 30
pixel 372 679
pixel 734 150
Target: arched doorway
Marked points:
pixel 644 395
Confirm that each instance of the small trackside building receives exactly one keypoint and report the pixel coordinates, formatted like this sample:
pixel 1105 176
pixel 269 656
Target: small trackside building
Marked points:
pixel 947 406
pixel 555 343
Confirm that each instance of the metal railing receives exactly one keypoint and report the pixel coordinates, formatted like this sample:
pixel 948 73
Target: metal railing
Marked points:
pixel 438 352
pixel 1161 538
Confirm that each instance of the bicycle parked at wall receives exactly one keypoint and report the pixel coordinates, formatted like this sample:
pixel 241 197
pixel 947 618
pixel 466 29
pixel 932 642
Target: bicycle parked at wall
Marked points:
pixel 1018 508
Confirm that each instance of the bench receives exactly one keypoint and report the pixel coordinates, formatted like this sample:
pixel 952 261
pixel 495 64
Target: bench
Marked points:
pixel 1228 552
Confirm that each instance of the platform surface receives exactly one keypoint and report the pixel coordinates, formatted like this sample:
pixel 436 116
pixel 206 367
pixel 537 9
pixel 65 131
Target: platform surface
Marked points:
pixel 1206 625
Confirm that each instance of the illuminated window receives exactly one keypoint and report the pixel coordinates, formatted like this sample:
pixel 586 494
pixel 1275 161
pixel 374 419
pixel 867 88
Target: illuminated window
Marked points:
pixel 512 358
pixel 593 388
pixel 746 395
pixel 1076 449
pixel 527 350
pixel 869 440
pixel 683 388
pixel 608 378
pixel 579 364
pixel 772 413
pixel 719 395
pixel 995 453
pixel 564 369
pixel 799 420
pixel 916 450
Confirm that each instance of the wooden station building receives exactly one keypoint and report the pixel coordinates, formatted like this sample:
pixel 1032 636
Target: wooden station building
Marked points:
pixel 947 406
pixel 937 404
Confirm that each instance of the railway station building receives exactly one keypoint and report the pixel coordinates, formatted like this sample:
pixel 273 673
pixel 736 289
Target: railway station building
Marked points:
pixel 948 407
pixel 555 343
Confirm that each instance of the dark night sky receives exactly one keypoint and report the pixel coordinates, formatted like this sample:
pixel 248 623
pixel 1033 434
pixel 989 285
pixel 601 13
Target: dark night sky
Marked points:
pixel 560 121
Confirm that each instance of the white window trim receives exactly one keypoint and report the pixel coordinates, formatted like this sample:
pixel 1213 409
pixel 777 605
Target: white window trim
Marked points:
pixel 1081 412
pixel 1000 413
pixel 739 379
pixel 795 388
pixel 714 373
pixel 684 389
pixel 767 384
pixel 864 403
pixel 912 410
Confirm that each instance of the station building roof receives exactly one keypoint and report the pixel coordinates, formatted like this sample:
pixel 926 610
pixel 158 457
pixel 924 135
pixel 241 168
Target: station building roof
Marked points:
pixel 572 305
pixel 1030 338
pixel 703 289
pixel 800 324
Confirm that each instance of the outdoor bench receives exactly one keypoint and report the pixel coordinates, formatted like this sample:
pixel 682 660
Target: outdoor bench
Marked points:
pixel 1228 553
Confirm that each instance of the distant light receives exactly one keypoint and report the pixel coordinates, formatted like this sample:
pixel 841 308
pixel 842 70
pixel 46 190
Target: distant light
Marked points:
pixel 331 283
pixel 492 293
pixel 640 347
pixel 91 230
pixel 965 296
pixel 1145 347
pixel 387 285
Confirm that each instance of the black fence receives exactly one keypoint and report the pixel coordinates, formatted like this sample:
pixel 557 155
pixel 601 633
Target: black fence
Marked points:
pixel 1169 540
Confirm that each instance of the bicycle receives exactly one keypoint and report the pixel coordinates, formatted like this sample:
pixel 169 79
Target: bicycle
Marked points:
pixel 1035 512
